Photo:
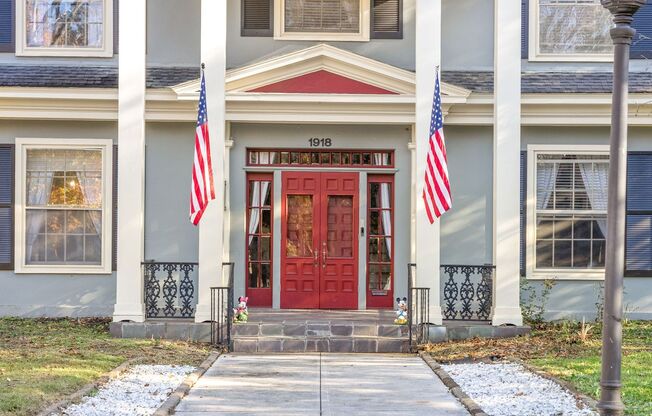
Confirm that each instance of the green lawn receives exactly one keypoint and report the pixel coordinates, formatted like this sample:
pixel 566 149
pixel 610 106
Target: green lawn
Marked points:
pixel 43 361
pixel 560 351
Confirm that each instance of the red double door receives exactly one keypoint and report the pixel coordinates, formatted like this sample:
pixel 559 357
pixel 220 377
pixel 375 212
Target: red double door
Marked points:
pixel 319 240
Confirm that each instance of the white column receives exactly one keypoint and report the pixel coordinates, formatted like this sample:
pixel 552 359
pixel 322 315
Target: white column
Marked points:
pixel 131 163
pixel 211 226
pixel 507 145
pixel 412 146
pixel 428 56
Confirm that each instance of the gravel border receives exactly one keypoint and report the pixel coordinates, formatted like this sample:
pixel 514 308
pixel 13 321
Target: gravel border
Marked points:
pixel 169 405
pixel 589 402
pixel 87 389
pixel 470 405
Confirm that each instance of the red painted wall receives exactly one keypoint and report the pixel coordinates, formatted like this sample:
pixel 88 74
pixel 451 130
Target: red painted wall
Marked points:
pixel 322 82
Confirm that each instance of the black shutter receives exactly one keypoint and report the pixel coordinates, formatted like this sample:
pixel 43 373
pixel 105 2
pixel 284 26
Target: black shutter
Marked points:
pixel 6 207
pixel 116 25
pixel 7 26
pixel 257 18
pixel 523 214
pixel 114 225
pixel 525 28
pixel 638 247
pixel 642 44
pixel 387 19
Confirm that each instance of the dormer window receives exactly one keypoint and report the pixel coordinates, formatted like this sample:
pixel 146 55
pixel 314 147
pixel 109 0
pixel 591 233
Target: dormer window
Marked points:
pixel 64 28
pixel 322 19
pixel 570 30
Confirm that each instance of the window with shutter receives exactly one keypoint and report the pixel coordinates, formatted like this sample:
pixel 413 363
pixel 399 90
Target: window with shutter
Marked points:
pixel 256 17
pixel 322 20
pixel 6 207
pixel 525 25
pixel 387 19
pixel 7 39
pixel 642 43
pixel 638 247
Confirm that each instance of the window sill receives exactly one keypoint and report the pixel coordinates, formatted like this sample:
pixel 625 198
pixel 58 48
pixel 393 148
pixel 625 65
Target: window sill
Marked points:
pixel 54 269
pixel 66 52
pixel 571 58
pixel 589 275
pixel 323 37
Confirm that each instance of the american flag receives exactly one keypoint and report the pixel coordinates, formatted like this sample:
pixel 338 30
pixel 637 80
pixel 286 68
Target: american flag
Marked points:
pixel 202 191
pixel 436 188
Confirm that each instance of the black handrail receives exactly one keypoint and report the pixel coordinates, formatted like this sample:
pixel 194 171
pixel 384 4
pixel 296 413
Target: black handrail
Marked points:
pixel 418 310
pixel 222 303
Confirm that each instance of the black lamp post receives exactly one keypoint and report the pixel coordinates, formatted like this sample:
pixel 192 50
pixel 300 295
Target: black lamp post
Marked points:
pixel 622 34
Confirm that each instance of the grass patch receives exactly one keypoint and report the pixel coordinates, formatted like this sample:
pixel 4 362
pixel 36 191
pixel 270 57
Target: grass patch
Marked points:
pixel 559 350
pixel 44 360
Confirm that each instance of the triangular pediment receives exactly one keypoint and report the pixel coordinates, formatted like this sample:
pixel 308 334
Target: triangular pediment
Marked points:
pixel 320 69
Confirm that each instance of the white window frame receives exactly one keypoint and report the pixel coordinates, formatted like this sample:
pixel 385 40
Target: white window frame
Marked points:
pixel 534 54
pixel 530 264
pixel 22 145
pixel 106 51
pixel 362 35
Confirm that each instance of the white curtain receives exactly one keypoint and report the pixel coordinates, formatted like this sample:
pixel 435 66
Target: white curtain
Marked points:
pixel 596 182
pixel 254 213
pixel 546 178
pixel 85 183
pixel 38 194
pixel 382 159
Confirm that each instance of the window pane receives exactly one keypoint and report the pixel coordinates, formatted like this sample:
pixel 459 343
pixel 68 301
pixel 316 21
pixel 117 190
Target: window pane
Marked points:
pixel 299 226
pixel 64 23
pixel 574 27
pixel 582 229
pixel 374 278
pixel 253 275
pixel 265 248
pixel 266 223
pixel 253 248
pixel 598 253
pixel 373 249
pixel 581 253
pixel 544 229
pixel 93 247
pixel 562 254
pixel 54 248
pixel 563 228
pixel 265 275
pixel 75 248
pixel 329 16
pixel 385 277
pixel 544 253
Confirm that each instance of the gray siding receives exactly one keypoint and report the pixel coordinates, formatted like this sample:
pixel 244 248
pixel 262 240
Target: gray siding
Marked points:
pixel 56 294
pixel 173 32
pixel 169 235
pixel 467 35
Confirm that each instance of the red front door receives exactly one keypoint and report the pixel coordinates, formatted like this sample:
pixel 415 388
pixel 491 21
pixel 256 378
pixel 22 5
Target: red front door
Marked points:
pixel 319 244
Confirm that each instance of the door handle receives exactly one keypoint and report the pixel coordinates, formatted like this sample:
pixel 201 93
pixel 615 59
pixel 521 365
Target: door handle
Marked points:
pixel 323 256
pixel 316 258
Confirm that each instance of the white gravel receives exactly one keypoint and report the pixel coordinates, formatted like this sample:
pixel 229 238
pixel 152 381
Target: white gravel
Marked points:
pixel 138 391
pixel 507 389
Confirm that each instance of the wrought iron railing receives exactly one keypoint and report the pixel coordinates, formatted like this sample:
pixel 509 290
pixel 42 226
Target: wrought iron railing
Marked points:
pixel 468 292
pixel 418 310
pixel 222 303
pixel 170 289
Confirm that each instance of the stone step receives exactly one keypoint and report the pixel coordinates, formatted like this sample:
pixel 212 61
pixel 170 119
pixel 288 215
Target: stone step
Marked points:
pixel 318 329
pixel 300 344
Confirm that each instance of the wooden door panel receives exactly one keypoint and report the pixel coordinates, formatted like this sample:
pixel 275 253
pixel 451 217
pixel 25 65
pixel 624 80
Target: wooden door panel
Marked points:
pixel 300 240
pixel 339 224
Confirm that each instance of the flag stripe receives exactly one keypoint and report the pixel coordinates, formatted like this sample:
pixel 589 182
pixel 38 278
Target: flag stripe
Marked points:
pixel 436 187
pixel 202 190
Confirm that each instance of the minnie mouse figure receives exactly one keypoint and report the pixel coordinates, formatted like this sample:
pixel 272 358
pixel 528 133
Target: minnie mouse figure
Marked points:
pixel 241 314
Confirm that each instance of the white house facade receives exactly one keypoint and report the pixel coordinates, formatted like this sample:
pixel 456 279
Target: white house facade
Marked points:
pixel 318 116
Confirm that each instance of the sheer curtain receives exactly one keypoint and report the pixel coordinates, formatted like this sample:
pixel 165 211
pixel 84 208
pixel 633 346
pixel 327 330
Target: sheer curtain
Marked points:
pixel 546 178
pixel 254 202
pixel 386 205
pixel 596 180
pixel 38 194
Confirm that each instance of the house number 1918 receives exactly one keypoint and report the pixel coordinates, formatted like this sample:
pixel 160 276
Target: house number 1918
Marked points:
pixel 320 142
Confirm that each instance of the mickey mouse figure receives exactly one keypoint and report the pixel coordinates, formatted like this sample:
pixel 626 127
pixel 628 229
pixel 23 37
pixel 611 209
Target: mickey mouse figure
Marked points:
pixel 241 313
pixel 401 312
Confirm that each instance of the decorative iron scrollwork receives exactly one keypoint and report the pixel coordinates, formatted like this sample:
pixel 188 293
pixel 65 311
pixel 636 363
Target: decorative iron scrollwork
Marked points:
pixel 468 292
pixel 175 289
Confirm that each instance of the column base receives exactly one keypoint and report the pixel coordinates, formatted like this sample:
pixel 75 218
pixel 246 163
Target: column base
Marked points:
pixel 507 316
pixel 436 318
pixel 129 312
pixel 203 313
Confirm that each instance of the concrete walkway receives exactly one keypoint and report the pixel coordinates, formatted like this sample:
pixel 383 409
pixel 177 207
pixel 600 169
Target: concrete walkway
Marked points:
pixel 314 384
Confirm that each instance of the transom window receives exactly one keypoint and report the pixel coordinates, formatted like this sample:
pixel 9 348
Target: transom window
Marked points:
pixel 64 27
pixel 570 216
pixel 323 19
pixel 570 30
pixel 321 158
pixel 64 199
